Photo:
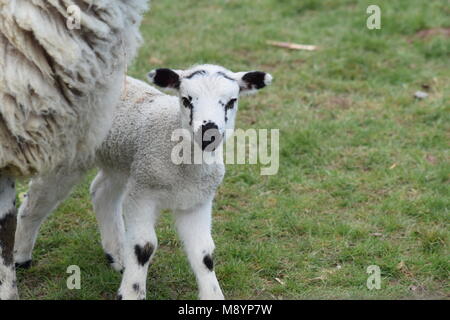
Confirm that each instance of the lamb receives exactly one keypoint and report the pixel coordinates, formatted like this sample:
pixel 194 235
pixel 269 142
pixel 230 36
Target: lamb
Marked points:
pixel 58 88
pixel 138 177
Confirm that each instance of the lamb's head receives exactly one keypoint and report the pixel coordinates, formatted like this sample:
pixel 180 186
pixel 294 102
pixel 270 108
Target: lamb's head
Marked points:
pixel 209 97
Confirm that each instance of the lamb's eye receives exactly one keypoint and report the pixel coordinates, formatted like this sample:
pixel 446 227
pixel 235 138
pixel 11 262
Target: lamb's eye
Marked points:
pixel 187 102
pixel 230 104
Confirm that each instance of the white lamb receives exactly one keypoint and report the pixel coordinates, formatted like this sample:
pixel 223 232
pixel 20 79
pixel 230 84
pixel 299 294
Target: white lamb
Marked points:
pixel 138 177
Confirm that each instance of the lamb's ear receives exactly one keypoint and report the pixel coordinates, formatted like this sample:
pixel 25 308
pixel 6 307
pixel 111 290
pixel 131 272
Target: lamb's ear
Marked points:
pixel 251 82
pixel 165 78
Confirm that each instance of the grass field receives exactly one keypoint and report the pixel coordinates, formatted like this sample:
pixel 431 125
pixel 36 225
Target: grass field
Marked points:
pixel 364 173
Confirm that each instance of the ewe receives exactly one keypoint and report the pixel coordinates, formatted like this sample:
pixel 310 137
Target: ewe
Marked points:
pixel 138 177
pixel 58 88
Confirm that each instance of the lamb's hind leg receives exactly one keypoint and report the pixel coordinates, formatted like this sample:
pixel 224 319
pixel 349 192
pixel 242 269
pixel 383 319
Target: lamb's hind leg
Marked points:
pixel 8 287
pixel 140 216
pixel 107 192
pixel 194 228
pixel 44 196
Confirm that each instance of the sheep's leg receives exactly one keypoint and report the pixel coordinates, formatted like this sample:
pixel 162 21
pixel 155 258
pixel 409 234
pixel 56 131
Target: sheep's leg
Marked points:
pixel 194 229
pixel 140 245
pixel 44 195
pixel 8 286
pixel 107 192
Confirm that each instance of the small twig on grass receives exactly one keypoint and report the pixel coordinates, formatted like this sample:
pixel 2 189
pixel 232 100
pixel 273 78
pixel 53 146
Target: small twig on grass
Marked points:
pixel 292 46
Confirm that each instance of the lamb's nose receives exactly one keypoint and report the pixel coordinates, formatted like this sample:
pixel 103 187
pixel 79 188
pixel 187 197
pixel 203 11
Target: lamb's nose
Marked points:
pixel 210 131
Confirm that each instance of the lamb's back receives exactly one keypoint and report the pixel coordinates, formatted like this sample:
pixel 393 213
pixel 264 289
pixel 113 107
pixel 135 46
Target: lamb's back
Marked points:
pixel 144 121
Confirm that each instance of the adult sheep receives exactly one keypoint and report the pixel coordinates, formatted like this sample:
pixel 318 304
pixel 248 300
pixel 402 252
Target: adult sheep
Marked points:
pixel 58 88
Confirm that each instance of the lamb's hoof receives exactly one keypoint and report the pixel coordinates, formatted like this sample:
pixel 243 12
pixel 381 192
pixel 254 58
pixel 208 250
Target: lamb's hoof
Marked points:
pixel 23 265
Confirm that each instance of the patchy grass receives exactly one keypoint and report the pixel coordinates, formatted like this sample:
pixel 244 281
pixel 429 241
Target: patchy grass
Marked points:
pixel 364 167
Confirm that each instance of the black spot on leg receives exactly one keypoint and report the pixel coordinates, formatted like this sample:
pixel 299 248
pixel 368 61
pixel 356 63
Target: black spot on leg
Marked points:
pixel 119 297
pixel 7 230
pixel 24 265
pixel 144 253
pixel 109 258
pixel 136 287
pixel 208 261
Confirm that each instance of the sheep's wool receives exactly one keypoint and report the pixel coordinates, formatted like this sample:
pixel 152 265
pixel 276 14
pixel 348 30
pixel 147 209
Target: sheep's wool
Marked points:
pixel 59 85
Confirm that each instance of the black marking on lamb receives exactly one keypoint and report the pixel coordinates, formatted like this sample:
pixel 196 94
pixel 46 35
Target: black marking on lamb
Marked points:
pixel 136 287
pixel 7 229
pixel 229 106
pixel 167 78
pixel 209 263
pixel 225 76
pixel 144 253
pixel 255 80
pixel 119 297
pixel 199 72
pixel 109 258
pixel 187 102
pixel 214 132
pixel 24 265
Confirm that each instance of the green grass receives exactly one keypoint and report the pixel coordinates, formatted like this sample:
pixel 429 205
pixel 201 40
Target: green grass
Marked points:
pixel 358 156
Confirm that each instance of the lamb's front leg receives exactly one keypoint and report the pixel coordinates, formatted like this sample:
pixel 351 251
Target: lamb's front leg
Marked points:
pixel 140 216
pixel 194 228
pixel 8 212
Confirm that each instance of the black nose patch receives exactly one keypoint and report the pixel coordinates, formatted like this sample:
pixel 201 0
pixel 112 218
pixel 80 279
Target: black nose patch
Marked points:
pixel 210 133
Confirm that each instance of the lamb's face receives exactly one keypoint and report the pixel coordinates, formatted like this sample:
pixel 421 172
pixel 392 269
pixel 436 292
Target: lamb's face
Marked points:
pixel 209 97
pixel 208 106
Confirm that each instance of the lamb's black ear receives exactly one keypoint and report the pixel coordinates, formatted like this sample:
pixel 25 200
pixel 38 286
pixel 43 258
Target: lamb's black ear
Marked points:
pixel 164 78
pixel 250 82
